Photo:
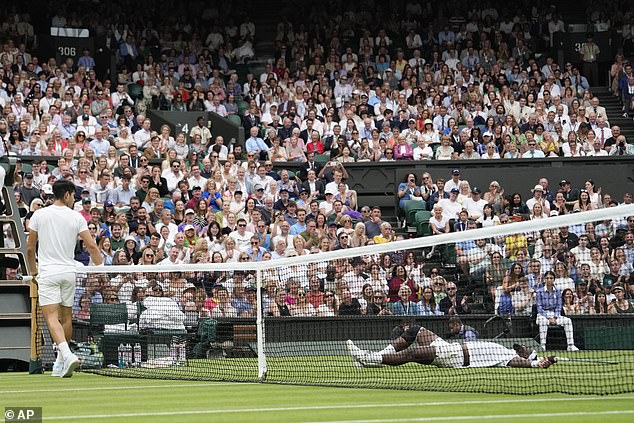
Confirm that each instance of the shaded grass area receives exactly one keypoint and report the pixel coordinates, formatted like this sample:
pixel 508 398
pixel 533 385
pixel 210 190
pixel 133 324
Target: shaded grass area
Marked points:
pixel 588 378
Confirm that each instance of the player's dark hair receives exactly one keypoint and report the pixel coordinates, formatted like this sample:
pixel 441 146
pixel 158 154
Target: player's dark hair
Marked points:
pixel 61 187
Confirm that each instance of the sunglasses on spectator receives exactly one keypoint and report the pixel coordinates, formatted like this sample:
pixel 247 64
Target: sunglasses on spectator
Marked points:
pixel 242 225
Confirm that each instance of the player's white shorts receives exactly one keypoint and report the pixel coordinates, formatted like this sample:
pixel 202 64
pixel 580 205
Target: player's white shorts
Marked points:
pixel 489 354
pixel 57 289
pixel 448 354
pixel 481 354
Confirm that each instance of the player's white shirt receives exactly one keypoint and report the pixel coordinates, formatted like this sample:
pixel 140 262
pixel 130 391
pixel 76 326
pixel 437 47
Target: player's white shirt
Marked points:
pixel 57 228
pixel 481 354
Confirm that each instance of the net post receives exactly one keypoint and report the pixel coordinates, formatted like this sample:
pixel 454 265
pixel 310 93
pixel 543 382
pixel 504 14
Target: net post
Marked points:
pixel 260 328
pixel 35 364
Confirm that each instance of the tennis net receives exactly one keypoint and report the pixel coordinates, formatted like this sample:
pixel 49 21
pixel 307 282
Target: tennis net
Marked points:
pixel 511 304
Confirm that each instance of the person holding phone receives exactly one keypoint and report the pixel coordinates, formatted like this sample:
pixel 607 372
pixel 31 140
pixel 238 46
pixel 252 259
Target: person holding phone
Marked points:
pixel 407 190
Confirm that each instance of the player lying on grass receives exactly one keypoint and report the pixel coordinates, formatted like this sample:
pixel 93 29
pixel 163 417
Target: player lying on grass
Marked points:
pixel 435 351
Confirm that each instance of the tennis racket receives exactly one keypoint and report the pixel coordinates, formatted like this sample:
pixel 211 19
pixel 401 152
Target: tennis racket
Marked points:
pixel 587 360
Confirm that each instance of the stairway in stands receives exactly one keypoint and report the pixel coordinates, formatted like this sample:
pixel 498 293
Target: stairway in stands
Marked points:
pixel 614 110
pixel 265 21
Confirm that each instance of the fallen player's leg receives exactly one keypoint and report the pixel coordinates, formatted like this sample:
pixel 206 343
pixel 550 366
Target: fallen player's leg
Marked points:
pixel 433 350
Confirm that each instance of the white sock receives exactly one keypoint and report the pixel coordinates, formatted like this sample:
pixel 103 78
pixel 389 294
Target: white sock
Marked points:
pixel 388 350
pixel 64 350
pixel 60 358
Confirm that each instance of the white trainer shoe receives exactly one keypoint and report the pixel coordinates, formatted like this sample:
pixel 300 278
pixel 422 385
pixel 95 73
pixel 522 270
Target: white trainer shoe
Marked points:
pixel 356 354
pixel 373 359
pixel 572 348
pixel 70 364
pixel 57 369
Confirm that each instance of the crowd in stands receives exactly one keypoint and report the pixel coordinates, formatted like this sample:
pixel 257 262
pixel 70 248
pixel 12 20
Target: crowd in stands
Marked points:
pixel 348 86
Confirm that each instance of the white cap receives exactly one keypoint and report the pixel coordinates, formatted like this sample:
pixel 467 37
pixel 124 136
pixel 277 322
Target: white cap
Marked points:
pixel 47 189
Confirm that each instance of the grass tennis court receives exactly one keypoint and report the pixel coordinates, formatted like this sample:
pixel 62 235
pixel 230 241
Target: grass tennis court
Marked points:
pixel 92 398
pixel 337 370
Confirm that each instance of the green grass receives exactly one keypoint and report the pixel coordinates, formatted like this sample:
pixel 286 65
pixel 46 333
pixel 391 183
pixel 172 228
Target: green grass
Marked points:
pixel 94 399
pixel 335 370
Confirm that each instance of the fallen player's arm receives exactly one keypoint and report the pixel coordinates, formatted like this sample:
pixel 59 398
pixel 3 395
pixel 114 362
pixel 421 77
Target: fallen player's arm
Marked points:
pixel 542 363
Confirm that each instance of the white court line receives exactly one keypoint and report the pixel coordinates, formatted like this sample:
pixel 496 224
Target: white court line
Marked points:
pixel 115 388
pixel 325 407
pixel 491 416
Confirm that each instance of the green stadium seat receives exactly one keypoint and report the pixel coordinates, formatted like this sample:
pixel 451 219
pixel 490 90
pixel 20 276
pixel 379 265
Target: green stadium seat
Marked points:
pixel 322 159
pixel 243 106
pixel 434 148
pixel 108 314
pixel 135 90
pixel 422 223
pixel 235 119
pixel 242 70
pixel 27 167
pixel 411 208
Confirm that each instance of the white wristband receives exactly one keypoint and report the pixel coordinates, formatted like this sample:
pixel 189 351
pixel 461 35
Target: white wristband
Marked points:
pixel 535 363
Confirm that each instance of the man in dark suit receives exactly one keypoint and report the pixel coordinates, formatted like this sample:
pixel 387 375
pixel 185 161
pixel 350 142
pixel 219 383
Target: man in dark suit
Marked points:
pixel 388 116
pixel 313 185
pixel 287 129
pixel 306 133
pixel 454 303
pixel 286 105
pixel 531 125
pixel 250 120
pixel 310 164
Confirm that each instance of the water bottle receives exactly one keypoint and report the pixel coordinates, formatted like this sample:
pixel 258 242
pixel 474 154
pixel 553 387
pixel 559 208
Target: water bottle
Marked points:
pixel 128 355
pixel 137 355
pixel 120 358
pixel 182 352
pixel 173 351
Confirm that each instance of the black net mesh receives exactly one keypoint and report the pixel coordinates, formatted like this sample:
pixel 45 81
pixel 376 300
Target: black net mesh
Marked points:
pixel 510 309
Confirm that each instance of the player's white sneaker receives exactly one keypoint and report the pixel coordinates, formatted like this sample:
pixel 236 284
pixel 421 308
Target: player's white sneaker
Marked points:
pixel 70 364
pixel 572 348
pixel 374 359
pixel 356 354
pixel 57 369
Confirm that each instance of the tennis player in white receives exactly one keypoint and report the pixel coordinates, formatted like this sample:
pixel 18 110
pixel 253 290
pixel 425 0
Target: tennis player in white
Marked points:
pixel 56 228
pixel 435 351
